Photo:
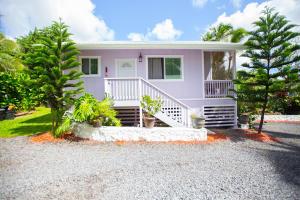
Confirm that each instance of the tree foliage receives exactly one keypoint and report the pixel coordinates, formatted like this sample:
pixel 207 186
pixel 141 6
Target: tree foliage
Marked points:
pixel 272 68
pixel 225 33
pixel 9 55
pixel 52 63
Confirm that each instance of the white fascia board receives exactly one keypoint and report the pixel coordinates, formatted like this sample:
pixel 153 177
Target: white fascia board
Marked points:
pixel 161 45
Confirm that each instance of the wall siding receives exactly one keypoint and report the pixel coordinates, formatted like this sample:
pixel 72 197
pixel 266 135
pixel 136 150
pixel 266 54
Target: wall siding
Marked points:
pixel 189 88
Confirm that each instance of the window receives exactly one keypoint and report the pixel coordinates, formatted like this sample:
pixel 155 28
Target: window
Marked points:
pixel 165 68
pixel 90 66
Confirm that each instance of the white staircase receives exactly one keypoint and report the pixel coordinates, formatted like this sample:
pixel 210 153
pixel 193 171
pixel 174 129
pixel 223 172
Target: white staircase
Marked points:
pixel 128 92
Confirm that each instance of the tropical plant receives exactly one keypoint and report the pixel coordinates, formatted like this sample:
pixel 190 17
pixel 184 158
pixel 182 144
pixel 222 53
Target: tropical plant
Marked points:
pixel 89 109
pixel 225 33
pixel 151 106
pixel 53 63
pixel 271 52
pixel 9 55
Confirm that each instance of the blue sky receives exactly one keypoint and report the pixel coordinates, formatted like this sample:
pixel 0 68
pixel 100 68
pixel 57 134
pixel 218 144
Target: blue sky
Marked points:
pixel 94 21
pixel 139 15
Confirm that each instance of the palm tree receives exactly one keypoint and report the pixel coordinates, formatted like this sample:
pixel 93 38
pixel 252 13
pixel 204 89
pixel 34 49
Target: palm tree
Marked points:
pixel 225 33
pixel 9 50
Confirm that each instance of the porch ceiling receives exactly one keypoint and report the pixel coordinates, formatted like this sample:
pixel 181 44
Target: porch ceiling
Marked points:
pixel 161 45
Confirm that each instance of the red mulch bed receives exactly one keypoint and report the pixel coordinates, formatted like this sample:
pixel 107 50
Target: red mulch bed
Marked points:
pixel 47 137
pixel 262 137
pixel 210 139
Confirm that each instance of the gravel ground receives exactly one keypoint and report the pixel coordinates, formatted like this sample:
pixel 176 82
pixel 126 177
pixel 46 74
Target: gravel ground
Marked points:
pixel 235 169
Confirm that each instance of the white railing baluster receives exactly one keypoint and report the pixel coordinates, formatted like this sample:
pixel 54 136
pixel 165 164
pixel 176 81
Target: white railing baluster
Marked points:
pixel 217 88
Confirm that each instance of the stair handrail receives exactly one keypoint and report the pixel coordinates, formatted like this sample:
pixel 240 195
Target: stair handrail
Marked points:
pixel 166 94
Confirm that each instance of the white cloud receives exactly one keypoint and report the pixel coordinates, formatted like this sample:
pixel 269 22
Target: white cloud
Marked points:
pixel 199 3
pixel 164 30
pixel 252 11
pixel 137 37
pixel 19 17
pixel 236 3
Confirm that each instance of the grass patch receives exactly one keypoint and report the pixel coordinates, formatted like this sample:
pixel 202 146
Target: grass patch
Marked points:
pixel 37 122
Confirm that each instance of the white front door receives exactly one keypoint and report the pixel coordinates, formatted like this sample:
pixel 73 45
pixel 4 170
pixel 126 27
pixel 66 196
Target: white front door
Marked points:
pixel 126 68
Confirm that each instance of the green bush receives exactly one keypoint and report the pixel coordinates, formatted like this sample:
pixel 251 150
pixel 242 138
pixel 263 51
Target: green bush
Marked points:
pixel 15 89
pixel 89 109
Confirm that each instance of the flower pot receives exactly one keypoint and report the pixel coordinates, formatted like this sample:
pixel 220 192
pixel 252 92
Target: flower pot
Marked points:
pixel 149 122
pixel 244 119
pixel 198 122
pixel 96 123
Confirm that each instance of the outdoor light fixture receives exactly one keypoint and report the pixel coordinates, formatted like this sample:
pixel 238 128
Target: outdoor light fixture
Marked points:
pixel 140 57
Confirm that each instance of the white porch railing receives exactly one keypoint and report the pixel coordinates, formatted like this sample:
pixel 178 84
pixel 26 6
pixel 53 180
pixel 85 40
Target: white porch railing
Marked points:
pixel 128 89
pixel 218 88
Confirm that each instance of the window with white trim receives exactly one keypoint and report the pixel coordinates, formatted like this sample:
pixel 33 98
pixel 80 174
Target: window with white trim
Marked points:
pixel 90 65
pixel 165 68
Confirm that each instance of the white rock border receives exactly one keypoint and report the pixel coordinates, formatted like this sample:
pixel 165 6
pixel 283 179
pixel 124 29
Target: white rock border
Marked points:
pixel 291 118
pixel 157 134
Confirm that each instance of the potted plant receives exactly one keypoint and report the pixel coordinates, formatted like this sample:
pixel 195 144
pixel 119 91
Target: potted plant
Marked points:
pixel 198 121
pixel 88 110
pixel 97 122
pixel 151 106
pixel 244 118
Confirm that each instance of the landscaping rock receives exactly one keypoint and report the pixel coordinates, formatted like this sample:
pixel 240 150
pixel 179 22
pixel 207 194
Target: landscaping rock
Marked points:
pixel 157 134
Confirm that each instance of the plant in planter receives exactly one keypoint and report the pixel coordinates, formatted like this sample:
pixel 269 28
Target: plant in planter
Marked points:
pixel 151 106
pixel 198 121
pixel 89 110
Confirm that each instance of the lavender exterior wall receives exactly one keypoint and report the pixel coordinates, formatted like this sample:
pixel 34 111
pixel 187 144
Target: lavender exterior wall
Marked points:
pixel 189 90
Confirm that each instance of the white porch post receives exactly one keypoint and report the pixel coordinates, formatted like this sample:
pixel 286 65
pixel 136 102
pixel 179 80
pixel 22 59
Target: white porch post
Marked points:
pixel 234 86
pixel 140 98
pixel 106 88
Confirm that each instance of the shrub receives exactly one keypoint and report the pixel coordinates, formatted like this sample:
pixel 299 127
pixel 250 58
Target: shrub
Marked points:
pixel 88 109
pixel 15 89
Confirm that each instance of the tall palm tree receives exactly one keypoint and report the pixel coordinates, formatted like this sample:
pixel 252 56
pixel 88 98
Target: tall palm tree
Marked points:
pixel 9 50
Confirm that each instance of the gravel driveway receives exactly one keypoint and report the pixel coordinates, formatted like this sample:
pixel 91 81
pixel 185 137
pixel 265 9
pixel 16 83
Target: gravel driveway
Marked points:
pixel 235 169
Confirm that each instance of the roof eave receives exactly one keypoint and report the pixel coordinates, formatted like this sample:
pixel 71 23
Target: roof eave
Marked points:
pixel 163 45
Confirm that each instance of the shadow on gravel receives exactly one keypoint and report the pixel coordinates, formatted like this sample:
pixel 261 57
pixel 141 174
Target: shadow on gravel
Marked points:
pixel 286 160
pixel 283 135
pixel 283 154
pixel 233 135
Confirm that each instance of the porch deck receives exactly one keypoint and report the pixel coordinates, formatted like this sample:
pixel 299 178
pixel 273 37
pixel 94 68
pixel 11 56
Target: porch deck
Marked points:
pixel 127 92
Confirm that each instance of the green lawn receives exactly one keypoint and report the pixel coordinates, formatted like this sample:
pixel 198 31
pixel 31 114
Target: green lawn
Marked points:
pixel 39 121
